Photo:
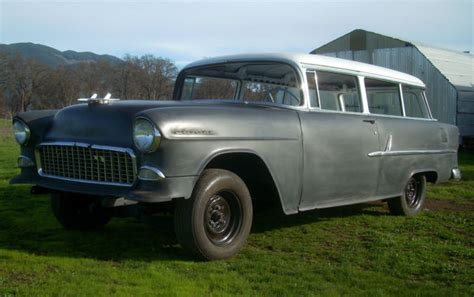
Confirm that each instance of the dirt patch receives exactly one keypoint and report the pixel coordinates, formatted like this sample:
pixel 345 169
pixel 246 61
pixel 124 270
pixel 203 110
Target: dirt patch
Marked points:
pixel 433 205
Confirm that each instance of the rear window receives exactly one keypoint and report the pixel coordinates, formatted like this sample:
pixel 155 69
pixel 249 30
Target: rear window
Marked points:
pixel 383 97
pixel 415 105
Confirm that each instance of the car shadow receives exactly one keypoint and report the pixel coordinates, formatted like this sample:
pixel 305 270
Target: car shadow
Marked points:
pixel 146 239
pixel 275 218
pixel 122 239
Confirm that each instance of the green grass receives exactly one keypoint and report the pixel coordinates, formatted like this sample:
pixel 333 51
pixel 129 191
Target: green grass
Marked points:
pixel 359 250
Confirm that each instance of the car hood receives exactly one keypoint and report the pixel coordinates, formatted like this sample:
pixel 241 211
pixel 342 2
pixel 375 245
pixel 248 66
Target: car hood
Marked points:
pixel 112 124
pixel 109 124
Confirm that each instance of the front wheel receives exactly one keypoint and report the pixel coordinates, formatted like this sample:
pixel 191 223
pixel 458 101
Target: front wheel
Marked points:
pixel 215 222
pixel 76 211
pixel 413 198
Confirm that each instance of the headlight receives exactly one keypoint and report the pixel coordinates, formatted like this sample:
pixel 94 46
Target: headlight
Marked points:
pixel 21 132
pixel 146 136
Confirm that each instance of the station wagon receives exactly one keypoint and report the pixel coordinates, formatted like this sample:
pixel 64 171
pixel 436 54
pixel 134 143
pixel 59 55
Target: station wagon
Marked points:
pixel 300 131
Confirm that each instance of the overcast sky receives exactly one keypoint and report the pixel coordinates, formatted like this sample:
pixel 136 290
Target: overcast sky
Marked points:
pixel 188 30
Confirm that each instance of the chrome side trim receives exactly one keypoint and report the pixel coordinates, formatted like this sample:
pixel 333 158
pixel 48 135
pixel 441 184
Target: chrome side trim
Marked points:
pixel 410 152
pixel 388 146
pixel 130 152
pixel 231 138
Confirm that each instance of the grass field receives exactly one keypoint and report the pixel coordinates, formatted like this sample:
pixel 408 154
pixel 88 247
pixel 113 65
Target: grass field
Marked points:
pixel 356 251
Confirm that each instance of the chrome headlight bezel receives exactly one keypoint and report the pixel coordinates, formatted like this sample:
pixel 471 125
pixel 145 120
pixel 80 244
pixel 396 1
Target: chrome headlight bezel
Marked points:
pixel 21 127
pixel 146 135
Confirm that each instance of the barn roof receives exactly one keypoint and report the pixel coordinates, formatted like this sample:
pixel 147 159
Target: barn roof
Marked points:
pixel 457 67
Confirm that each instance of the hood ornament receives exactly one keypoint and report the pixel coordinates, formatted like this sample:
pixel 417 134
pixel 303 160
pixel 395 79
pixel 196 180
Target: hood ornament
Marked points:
pixel 94 100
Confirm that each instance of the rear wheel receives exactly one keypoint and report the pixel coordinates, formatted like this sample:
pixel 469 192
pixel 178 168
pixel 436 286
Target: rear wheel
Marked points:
pixel 76 211
pixel 215 222
pixel 413 198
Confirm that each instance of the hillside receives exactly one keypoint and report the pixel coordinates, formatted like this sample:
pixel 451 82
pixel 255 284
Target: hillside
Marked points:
pixel 53 57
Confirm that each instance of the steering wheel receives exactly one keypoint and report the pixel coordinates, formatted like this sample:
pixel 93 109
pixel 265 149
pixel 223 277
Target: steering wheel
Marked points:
pixel 286 92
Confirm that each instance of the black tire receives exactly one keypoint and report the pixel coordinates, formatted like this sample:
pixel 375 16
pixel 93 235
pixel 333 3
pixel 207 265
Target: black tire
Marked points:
pixel 216 221
pixel 413 199
pixel 76 211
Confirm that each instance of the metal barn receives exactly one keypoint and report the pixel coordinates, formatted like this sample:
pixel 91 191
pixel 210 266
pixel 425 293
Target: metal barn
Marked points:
pixel 448 75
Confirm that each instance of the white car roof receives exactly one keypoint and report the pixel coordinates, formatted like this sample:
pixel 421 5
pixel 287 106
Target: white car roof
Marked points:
pixel 305 60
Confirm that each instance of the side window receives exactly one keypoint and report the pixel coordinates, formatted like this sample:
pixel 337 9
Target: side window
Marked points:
pixel 383 97
pixel 338 92
pixel 258 91
pixel 313 95
pixel 188 86
pixel 415 105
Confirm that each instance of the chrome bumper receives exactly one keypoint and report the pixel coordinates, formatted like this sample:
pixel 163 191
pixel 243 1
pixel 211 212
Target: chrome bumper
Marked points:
pixel 456 174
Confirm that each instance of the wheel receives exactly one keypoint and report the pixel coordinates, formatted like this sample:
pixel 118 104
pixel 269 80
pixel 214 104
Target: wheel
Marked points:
pixel 413 198
pixel 76 211
pixel 215 222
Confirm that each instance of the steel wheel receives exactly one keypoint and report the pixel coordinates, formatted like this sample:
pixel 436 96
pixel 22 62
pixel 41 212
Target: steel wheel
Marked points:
pixel 411 202
pixel 216 220
pixel 412 193
pixel 222 218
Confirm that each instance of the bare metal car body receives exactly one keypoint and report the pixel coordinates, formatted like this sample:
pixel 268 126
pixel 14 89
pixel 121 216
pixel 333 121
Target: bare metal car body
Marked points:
pixel 310 156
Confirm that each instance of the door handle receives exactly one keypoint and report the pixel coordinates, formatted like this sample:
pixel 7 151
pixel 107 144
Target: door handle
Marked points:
pixel 369 121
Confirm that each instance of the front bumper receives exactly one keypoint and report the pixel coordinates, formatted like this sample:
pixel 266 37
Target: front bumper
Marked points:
pixel 142 191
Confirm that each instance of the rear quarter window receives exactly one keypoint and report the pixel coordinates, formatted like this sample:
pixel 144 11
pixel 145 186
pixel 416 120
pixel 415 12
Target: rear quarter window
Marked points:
pixel 415 105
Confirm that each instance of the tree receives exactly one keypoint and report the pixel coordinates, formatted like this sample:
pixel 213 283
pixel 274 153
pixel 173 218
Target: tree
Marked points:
pixel 157 77
pixel 27 84
pixel 21 79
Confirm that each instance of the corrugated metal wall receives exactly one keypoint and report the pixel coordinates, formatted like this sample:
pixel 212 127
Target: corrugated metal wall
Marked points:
pixel 442 96
pixel 466 112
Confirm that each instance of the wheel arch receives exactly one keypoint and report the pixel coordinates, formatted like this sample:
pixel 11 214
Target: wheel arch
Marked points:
pixel 430 174
pixel 252 169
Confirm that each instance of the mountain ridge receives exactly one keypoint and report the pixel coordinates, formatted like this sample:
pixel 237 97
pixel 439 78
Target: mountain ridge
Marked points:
pixel 53 57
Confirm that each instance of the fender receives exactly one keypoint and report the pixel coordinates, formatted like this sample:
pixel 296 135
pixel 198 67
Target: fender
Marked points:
pixel 222 152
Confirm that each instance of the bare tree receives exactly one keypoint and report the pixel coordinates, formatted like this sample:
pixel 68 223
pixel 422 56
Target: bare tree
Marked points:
pixel 23 79
pixel 27 84
pixel 157 77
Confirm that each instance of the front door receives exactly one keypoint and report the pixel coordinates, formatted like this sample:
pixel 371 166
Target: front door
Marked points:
pixel 337 168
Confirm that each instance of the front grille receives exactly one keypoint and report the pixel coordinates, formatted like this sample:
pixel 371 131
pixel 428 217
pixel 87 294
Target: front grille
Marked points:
pixel 88 163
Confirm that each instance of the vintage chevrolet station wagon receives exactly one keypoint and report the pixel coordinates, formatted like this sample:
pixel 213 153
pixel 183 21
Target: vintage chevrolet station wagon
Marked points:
pixel 303 131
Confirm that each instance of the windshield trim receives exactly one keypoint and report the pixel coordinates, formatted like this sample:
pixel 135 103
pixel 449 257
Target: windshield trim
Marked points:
pixel 300 82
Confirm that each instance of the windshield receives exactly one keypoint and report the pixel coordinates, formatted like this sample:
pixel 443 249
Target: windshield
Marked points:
pixel 258 82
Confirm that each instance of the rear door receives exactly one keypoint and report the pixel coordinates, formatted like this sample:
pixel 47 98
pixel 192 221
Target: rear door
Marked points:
pixel 411 140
